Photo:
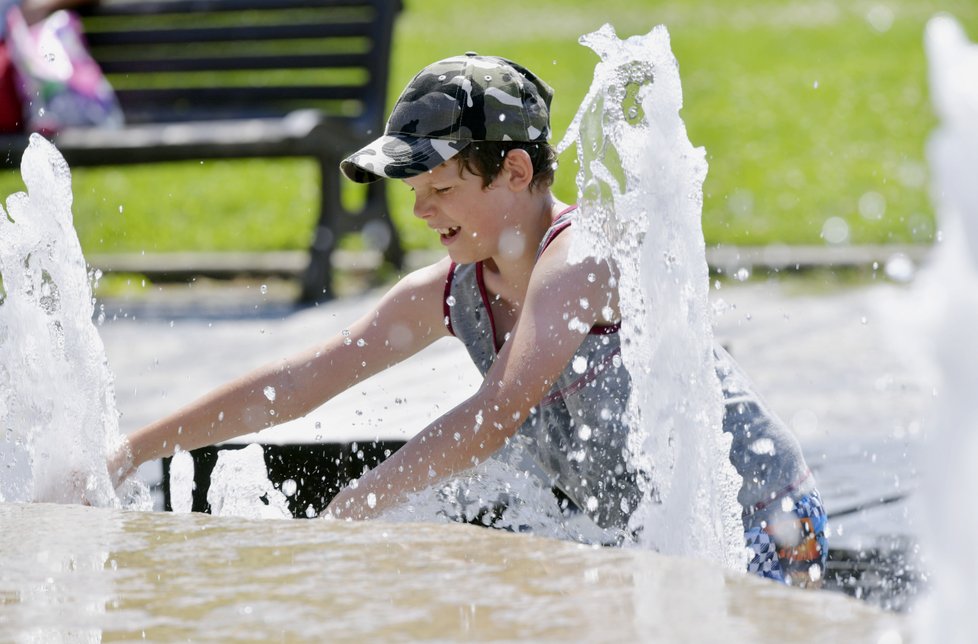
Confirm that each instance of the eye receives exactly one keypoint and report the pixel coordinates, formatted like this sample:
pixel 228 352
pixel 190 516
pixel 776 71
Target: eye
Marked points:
pixel 441 191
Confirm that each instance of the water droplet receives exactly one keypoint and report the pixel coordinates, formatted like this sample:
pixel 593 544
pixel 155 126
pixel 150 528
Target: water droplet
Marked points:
pixel 269 393
pixel 835 230
pixel 872 206
pixel 361 342
pixel 880 17
pixel 900 268
pixel 575 324
pixel 263 289
pixel 289 487
pixel 592 503
pixel 450 300
pixel 579 365
pixel 763 446
pixel 371 500
pixel 584 432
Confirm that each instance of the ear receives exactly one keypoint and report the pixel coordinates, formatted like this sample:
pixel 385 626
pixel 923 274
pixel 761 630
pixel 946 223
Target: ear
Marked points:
pixel 517 170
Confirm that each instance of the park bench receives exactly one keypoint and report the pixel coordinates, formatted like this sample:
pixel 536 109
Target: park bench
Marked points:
pixel 227 79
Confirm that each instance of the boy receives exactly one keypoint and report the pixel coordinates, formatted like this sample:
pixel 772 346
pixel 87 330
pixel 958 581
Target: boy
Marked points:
pixel 469 136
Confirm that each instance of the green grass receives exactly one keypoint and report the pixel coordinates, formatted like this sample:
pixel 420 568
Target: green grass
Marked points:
pixel 804 109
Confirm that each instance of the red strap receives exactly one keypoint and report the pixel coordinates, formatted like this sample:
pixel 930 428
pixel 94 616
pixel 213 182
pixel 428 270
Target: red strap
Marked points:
pixel 597 329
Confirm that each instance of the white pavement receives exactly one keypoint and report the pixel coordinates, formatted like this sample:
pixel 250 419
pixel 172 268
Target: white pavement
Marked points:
pixel 827 358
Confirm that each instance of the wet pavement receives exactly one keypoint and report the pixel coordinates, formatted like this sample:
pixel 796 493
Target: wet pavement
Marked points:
pixel 830 358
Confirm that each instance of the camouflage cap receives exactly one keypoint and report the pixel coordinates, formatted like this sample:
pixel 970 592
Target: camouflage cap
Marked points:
pixel 448 105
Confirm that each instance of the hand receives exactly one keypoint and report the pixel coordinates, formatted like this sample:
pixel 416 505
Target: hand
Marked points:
pixel 120 463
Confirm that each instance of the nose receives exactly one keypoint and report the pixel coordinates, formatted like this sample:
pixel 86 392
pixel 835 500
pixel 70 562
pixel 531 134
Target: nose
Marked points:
pixel 422 207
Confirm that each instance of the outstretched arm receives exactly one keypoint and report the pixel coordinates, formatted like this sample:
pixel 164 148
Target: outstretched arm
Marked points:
pixel 407 319
pixel 540 347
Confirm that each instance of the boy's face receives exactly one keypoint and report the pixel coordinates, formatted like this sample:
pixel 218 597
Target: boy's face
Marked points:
pixel 470 220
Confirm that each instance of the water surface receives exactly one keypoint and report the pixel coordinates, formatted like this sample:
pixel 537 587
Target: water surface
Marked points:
pixel 71 573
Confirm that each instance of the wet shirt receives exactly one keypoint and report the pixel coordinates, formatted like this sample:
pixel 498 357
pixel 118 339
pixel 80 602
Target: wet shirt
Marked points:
pixel 577 433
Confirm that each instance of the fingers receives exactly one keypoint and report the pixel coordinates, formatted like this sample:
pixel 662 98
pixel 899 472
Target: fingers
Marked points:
pixel 120 463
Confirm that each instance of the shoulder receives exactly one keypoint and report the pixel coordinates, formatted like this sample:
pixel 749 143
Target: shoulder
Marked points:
pixel 590 283
pixel 420 294
pixel 432 276
pixel 555 260
pixel 408 317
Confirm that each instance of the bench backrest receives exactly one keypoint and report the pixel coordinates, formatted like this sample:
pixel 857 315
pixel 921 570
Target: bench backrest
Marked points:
pixel 182 60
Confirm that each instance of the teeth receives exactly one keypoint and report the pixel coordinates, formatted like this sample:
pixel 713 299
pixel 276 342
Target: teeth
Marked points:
pixel 446 231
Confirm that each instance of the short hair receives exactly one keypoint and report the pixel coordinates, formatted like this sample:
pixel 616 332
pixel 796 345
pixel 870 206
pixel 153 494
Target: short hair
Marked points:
pixel 485 159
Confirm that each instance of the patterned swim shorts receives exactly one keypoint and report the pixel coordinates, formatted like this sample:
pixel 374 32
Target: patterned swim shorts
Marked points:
pixel 789 545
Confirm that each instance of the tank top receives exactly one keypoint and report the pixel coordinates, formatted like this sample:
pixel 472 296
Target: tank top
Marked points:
pixel 577 434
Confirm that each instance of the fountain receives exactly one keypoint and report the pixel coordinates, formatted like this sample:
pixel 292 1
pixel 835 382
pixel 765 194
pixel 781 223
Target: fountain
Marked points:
pixel 640 182
pixel 58 404
pixel 950 288
pixel 178 575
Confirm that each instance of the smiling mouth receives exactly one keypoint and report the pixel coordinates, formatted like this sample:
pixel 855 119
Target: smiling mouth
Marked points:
pixel 448 233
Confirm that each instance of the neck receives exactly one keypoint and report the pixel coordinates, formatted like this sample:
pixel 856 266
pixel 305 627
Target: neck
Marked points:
pixel 510 273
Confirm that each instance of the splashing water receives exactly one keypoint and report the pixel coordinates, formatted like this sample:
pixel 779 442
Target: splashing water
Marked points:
pixel 240 487
pixel 640 185
pixel 951 289
pixel 506 491
pixel 57 402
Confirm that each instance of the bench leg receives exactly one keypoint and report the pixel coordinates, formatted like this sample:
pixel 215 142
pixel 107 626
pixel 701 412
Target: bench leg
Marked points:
pixel 335 220
pixel 317 281
pixel 377 209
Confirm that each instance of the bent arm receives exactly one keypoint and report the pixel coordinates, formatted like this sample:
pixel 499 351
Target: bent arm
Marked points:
pixel 540 347
pixel 407 319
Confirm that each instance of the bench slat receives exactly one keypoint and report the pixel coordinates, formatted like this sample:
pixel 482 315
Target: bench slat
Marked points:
pixel 214 63
pixel 174 36
pixel 300 133
pixel 163 7
pixel 240 95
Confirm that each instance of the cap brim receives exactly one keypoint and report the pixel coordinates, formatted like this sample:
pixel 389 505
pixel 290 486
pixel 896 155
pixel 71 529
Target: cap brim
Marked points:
pixel 398 156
